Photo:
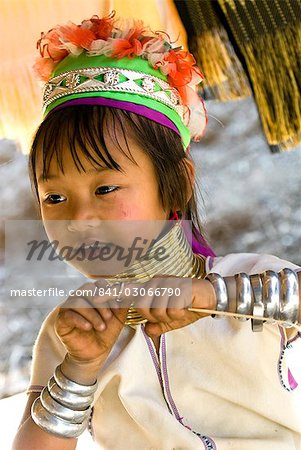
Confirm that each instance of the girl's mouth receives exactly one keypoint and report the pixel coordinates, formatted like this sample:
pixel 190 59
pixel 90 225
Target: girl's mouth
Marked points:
pixel 91 243
pixel 93 249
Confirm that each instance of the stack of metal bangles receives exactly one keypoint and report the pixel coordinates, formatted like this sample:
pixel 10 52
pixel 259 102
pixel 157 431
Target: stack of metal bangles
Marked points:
pixel 269 296
pixel 63 407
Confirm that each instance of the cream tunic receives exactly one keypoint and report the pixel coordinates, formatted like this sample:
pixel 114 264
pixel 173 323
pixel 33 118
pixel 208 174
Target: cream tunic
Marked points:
pixel 216 384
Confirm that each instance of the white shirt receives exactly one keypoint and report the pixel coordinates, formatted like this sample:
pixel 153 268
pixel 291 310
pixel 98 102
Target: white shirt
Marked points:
pixel 216 385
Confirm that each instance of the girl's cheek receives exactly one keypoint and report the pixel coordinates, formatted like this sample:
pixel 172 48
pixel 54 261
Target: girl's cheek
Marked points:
pixel 131 212
pixel 124 213
pixel 49 214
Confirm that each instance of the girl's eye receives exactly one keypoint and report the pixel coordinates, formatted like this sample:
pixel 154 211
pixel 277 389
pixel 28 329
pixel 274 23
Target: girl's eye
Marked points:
pixel 102 190
pixel 54 198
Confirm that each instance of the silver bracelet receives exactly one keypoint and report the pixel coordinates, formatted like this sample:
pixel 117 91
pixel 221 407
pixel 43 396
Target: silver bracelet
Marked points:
pixel 271 295
pixel 70 386
pixel 220 288
pixel 61 411
pixel 289 298
pixel 268 297
pixel 68 399
pixel 243 295
pixel 53 424
pixel 258 306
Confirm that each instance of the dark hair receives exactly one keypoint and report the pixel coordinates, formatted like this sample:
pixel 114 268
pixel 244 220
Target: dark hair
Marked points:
pixel 82 128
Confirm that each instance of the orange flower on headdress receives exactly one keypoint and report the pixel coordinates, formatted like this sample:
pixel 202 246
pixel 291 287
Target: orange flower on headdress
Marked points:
pixel 44 67
pixel 51 51
pixel 178 65
pixel 77 36
pixel 129 44
pixel 50 45
pixel 102 28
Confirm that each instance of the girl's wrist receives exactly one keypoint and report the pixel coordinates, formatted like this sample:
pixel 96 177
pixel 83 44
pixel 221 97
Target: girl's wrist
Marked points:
pixel 82 372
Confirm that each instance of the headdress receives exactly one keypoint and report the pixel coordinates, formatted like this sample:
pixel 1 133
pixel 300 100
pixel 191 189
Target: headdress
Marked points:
pixel 123 64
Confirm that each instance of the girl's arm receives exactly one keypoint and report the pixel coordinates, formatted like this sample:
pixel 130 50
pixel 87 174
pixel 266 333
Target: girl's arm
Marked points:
pixel 32 437
pixel 86 333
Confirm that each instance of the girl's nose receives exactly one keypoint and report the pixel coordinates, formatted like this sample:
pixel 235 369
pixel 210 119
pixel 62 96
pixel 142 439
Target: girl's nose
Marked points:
pixel 83 225
pixel 83 216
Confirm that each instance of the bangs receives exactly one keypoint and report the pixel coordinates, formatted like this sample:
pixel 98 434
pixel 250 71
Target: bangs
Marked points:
pixel 82 131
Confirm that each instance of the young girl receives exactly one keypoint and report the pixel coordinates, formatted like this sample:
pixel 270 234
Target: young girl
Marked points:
pixel 120 109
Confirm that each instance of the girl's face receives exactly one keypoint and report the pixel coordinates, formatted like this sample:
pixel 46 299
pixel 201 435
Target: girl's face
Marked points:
pixel 84 200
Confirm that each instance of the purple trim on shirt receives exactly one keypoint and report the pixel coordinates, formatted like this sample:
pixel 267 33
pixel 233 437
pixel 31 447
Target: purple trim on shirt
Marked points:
pixel 292 382
pixel 283 346
pixel 166 381
pixel 140 110
pixel 207 441
pixel 156 362
pixel 163 379
pixel 153 355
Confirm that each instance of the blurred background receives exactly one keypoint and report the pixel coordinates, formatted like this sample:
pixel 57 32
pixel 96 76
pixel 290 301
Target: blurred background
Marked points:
pixel 249 194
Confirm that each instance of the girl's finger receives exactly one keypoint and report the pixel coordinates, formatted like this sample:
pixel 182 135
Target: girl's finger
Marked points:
pixel 67 320
pixel 177 305
pixel 83 307
pixel 158 308
pixel 103 309
pixel 143 306
pixel 106 313
pixel 168 306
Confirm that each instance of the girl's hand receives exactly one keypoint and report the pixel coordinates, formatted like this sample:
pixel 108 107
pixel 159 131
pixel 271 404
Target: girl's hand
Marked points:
pixel 86 325
pixel 169 312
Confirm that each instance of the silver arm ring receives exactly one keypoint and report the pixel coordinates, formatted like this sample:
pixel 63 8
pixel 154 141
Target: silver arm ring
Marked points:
pixel 271 295
pixel 68 399
pixel 221 293
pixel 243 295
pixel 71 386
pixel 53 424
pixel 289 297
pixel 258 306
pixel 55 408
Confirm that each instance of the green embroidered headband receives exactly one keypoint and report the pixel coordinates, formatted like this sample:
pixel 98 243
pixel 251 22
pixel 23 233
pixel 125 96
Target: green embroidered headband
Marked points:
pixel 124 65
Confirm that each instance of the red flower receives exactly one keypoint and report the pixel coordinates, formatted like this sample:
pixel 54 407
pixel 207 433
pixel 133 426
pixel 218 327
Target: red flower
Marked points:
pixel 125 47
pixel 102 28
pixel 50 45
pixel 76 35
pixel 179 67
pixel 130 45
pixel 44 67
